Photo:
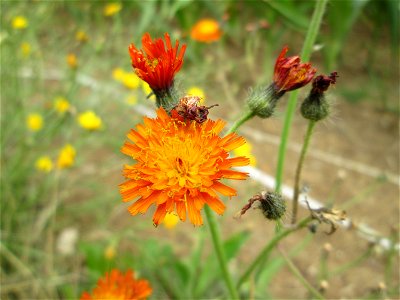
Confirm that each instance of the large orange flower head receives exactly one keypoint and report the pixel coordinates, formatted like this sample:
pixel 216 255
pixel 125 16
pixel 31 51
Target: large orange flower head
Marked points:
pixel 179 164
pixel 157 63
pixel 118 286
pixel 290 74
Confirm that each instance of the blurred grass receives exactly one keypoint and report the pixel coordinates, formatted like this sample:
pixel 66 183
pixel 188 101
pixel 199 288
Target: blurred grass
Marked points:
pixel 86 195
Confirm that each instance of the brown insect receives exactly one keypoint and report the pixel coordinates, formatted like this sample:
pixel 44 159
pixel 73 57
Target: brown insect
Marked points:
pixel 188 109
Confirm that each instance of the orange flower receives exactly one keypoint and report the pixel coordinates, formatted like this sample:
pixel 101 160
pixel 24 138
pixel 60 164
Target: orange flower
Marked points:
pixel 290 74
pixel 118 286
pixel 157 64
pixel 178 167
pixel 206 30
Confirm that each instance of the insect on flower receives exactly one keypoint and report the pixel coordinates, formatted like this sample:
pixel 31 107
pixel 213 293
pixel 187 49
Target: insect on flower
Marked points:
pixel 188 109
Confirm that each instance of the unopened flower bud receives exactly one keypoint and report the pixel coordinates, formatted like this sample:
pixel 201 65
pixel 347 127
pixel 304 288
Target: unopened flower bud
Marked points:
pixel 272 205
pixel 315 107
pixel 262 101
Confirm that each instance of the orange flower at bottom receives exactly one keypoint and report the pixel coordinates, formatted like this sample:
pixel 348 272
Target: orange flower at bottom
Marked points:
pixel 118 286
pixel 178 167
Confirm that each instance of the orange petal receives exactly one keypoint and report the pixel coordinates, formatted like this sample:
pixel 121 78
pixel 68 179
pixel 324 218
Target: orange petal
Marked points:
pixel 194 214
pixel 159 215
pixel 181 210
pixel 215 204
pixel 224 189
pixel 233 174
pixel 140 206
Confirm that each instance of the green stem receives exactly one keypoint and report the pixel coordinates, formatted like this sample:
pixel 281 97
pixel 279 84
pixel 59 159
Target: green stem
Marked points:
pixel 300 276
pixel 300 163
pixel 216 238
pixel 245 117
pixel 305 55
pixel 269 247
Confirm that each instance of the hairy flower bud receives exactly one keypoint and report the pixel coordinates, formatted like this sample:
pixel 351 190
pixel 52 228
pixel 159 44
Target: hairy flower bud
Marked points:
pixel 272 205
pixel 262 101
pixel 315 107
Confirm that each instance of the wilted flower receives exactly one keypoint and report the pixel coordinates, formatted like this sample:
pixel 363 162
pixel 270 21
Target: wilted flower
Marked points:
pixel 61 105
pixel 206 30
pixel 119 286
pixel 72 61
pixel 44 164
pixel 157 64
pixel 315 107
pixel 89 120
pixel 290 74
pixel 34 122
pixel 111 9
pixel 66 157
pixel 19 22
pixel 179 166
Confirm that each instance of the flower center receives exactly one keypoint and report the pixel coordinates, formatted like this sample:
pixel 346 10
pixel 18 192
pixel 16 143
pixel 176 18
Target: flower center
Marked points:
pixel 151 63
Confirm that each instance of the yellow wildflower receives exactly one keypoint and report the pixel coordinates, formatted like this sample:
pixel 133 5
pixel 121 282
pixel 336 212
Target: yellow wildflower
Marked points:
pixel 131 80
pixel 66 157
pixel 170 220
pixel 196 91
pixel 118 74
pixel 89 120
pixel 245 150
pixel 131 100
pixel 81 36
pixel 61 105
pixel 109 252
pixel 72 61
pixel 147 91
pixel 44 164
pixel 19 22
pixel 111 9
pixel 34 122
pixel 25 49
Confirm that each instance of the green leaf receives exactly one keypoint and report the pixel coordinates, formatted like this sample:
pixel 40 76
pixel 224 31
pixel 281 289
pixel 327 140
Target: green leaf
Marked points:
pixel 291 12
pixel 233 244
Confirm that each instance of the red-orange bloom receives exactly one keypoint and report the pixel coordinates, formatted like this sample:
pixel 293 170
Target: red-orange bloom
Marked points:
pixel 157 63
pixel 118 286
pixel 290 74
pixel 178 167
pixel 206 30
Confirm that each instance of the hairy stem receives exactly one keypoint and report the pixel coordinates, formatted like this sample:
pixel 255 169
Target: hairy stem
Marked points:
pixel 300 163
pixel 216 239
pixel 305 55
pixel 245 117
